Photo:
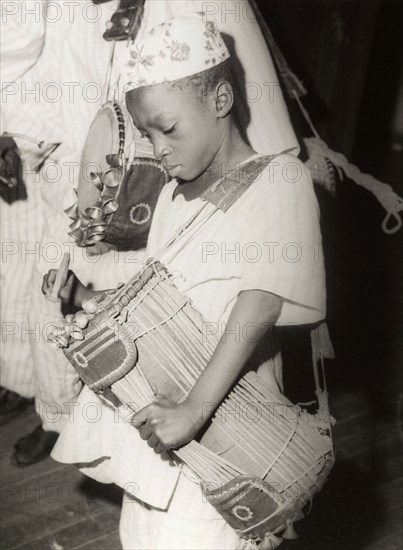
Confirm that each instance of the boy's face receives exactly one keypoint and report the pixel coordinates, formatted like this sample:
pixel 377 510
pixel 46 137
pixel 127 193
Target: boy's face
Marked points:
pixel 182 130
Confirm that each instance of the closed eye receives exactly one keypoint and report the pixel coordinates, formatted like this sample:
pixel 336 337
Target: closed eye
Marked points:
pixel 170 130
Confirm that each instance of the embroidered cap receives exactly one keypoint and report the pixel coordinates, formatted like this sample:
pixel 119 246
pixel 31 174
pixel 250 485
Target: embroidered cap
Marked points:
pixel 180 47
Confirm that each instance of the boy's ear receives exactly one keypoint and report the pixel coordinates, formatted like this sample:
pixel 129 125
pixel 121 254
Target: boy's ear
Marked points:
pixel 224 98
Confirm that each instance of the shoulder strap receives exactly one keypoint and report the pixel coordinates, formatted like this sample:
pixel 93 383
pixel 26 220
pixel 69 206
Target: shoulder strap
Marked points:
pixel 224 193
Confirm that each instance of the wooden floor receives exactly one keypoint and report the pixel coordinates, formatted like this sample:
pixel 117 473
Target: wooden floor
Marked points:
pixel 49 506
pixel 52 506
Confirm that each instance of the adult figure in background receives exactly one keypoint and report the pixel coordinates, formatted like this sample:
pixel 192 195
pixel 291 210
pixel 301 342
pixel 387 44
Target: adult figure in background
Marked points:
pixel 21 42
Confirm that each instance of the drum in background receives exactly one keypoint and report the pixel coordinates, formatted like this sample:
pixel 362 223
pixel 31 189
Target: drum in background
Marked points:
pixel 119 183
pixel 260 459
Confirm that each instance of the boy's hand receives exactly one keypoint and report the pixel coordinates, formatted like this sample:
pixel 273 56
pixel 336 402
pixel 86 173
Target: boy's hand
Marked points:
pixel 68 282
pixel 167 425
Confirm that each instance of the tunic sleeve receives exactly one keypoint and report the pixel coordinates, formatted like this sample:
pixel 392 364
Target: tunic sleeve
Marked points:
pixel 281 246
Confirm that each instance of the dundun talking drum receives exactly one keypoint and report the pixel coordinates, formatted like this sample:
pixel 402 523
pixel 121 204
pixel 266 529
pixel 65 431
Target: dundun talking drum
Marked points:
pixel 119 183
pixel 261 458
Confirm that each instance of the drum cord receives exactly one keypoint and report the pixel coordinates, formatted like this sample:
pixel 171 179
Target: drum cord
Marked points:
pixel 190 237
pixel 108 77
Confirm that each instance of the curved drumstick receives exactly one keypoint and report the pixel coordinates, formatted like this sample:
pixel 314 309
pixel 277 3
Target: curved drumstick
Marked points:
pixel 61 272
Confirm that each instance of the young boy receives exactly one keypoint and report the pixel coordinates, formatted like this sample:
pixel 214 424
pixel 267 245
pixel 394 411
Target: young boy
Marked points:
pixel 248 268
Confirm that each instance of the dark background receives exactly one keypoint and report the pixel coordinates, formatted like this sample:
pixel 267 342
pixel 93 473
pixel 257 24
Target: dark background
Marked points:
pixel 348 53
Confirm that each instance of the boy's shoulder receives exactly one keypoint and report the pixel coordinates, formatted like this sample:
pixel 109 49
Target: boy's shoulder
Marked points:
pixel 283 168
pixel 279 163
pixel 284 159
pixel 284 179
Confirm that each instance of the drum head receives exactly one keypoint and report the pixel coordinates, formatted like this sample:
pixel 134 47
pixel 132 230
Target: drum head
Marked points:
pixel 116 197
pixel 102 140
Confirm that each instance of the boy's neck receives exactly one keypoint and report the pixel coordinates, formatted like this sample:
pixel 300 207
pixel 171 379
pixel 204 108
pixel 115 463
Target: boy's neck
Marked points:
pixel 232 152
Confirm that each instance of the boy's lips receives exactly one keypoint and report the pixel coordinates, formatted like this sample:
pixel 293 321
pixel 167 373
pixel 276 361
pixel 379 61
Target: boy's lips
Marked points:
pixel 172 169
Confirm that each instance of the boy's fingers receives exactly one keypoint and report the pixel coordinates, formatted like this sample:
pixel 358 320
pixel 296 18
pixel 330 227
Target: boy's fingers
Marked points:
pixel 48 281
pixel 140 417
pixel 44 287
pixel 51 276
pixel 160 448
pixel 67 279
pixel 66 285
pixel 153 441
pixel 167 457
pixel 145 431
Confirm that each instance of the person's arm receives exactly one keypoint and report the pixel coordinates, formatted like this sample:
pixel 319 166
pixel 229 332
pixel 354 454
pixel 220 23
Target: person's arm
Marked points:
pixel 72 290
pixel 166 425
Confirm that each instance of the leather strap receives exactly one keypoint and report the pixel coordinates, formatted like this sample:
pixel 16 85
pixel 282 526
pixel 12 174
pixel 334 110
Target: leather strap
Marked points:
pixel 228 190
pixel 125 22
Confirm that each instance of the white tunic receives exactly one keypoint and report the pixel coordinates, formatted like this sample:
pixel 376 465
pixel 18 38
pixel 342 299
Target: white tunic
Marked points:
pixel 268 240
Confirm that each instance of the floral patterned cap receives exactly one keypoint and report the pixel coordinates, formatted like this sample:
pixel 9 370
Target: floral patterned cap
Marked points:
pixel 175 49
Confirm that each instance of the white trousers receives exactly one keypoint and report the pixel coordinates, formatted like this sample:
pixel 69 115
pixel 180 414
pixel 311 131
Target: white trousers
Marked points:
pixel 190 523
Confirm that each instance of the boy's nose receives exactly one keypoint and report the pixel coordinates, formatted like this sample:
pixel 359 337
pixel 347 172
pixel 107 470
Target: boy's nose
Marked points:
pixel 160 150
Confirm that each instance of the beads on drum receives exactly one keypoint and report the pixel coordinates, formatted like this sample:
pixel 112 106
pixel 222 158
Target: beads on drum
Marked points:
pixel 81 319
pixel 124 300
pixel 90 306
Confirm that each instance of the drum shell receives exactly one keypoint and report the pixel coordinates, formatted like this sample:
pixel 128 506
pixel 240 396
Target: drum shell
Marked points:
pixel 138 195
pixel 283 446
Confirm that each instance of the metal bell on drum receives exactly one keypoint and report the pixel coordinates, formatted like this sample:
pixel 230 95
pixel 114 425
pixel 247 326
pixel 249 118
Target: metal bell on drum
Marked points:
pixel 95 238
pixel 112 177
pixel 96 180
pixel 110 206
pixel 72 211
pixel 98 227
pixel 76 234
pixel 95 212
pixel 108 193
pixel 75 225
